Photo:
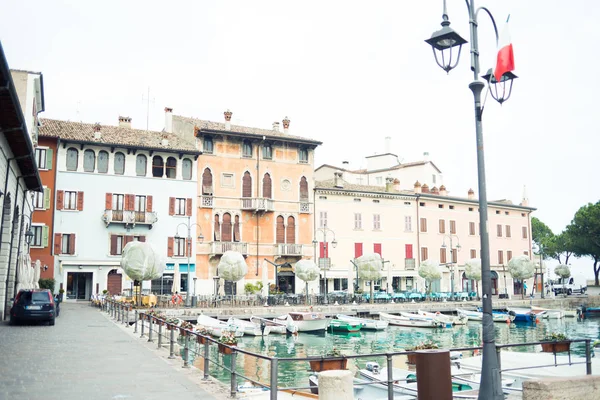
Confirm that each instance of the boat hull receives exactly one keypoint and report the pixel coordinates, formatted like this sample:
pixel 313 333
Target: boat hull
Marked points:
pixel 368 324
pixel 342 326
pixel 404 321
pixel 249 327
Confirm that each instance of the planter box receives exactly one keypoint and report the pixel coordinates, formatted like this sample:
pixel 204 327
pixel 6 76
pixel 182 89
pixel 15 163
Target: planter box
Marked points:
pixel 556 347
pixel 326 365
pixel 223 349
pixel 201 339
pixel 412 359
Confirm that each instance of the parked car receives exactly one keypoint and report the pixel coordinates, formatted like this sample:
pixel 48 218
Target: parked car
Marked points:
pixel 33 305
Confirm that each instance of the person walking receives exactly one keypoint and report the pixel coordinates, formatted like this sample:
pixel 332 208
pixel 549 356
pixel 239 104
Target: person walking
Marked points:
pixel 524 288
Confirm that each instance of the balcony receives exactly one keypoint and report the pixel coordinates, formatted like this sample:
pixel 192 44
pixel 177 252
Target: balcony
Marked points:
pixel 409 264
pixel 288 249
pixel 257 204
pixel 206 201
pixel 222 247
pixel 129 218
pixel 305 207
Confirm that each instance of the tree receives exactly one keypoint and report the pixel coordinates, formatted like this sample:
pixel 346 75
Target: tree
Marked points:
pixel 540 232
pixel 430 271
pixel 585 234
pixel 473 271
pixel 521 268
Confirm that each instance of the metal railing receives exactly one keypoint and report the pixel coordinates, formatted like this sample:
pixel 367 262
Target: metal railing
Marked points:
pixel 152 327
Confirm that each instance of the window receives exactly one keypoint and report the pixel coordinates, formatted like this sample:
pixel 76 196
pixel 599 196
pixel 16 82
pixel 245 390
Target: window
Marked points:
pixel 407 223
pixel 470 208
pixel 499 230
pixel 323 219
pixel 451 207
pixel 526 253
pixel 267 151
pixel 442 226
pixel 38 232
pixel 89 160
pixel 280 230
pixel 506 213
pixel 472 228
pixel 423 224
pixel 40 158
pixel 421 204
pixel 117 202
pixel 171 168
pixel 433 178
pixel 247 185
pixel 376 222
pixel 497 212
pixel 119 163
pixel 473 253
pixel 208 145
pixel 452 226
pixel 67 244
pixel 507 227
pixel 357 200
pixel 38 199
pixel 186 169
pixel 375 201
pixel 207 183
pixel 157 167
pixel 140 165
pixel 303 189
pixel 140 204
pixel 117 242
pixel 290 232
pixel 508 255
pixel 524 232
pixel 303 155
pixel 267 186
pixel 500 257
pixel 440 206
pixel 424 254
pixel 340 283
pixel 379 180
pixel 102 162
pixel 72 158
pixel 70 201
pixel 357 221
pixel 246 149
pixel 179 248
pixel 179 206
pixel 407 203
pixel 443 255
pixel 236 229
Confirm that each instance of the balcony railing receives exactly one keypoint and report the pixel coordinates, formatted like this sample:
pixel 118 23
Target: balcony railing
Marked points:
pixel 288 249
pixel 206 201
pixel 257 203
pixel 409 264
pixel 305 207
pixel 132 218
pixel 222 247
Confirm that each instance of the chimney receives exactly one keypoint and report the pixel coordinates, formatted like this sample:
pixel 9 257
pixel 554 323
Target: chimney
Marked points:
pixel 97 133
pixel 388 144
pixel 168 119
pixel 286 125
pixel 124 122
pixel 443 191
pixel 525 200
pixel 227 115
pixel 426 156
pixel 337 180
pixel 276 126
pixel 417 187
pixel 389 184
pixel 397 184
pixel 471 194
pixel 434 190
pixel 165 140
pixel 425 188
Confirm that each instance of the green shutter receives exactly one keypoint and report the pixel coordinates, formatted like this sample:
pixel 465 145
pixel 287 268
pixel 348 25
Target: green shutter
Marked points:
pixel 45 231
pixel 48 159
pixel 46 198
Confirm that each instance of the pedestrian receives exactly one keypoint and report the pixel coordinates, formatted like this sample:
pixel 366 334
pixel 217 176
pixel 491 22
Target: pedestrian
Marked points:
pixel 525 288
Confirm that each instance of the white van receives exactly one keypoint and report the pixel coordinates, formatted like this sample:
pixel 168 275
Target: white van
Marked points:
pixel 573 285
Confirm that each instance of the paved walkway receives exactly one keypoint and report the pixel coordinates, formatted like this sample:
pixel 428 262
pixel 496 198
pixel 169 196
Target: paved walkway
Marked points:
pixel 87 356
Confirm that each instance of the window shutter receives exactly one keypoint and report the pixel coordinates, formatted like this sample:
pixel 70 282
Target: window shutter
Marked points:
pixel 57 243
pixel 508 234
pixel 408 250
pixel 108 201
pixel 171 205
pixel 113 245
pixel 290 232
pixel 377 248
pixel 128 238
pixel 454 255
pixel 508 256
pixel 280 230
pixel 46 198
pixel 188 207
pixel 149 203
pixel 72 243
pixel 45 233
pixel 423 224
pixel 443 256
pixel 60 198
pixel 48 159
pixel 452 226
pixel 358 250
pixel 170 244
pixel 499 230
pixel 79 201
pixel 142 238
pixel 442 226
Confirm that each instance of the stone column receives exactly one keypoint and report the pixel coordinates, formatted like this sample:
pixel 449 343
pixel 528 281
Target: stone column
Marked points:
pixel 336 385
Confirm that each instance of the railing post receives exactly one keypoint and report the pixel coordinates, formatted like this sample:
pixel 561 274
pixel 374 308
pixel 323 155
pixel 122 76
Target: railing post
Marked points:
pixel 390 377
pixel 588 357
pixel 172 343
pixel 124 311
pixel 273 378
pixel 143 325
pixel 233 374
pixel 135 322
pixel 150 330
pixel 186 351
pixel 159 335
pixel 206 354
pixel 119 313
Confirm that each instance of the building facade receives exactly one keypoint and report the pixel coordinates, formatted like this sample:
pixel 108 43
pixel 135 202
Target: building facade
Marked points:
pixel 115 184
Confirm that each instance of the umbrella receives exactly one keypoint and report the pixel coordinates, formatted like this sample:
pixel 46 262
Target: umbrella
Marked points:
pixel 351 278
pixel 176 280
pixel 36 274
pixel 21 277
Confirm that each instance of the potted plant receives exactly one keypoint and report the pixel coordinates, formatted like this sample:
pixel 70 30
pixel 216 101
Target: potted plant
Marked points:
pixel 426 345
pixel 557 343
pixel 202 333
pixel 184 327
pixel 171 322
pixel 227 339
pixel 326 363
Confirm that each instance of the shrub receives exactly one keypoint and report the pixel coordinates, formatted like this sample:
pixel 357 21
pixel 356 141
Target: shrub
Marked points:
pixel 47 284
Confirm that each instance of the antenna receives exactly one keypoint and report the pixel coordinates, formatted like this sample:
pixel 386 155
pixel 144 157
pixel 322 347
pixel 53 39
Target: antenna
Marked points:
pixel 147 100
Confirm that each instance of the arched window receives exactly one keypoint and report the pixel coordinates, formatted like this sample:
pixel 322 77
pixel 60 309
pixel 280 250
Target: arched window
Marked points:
pixel 247 185
pixel 89 160
pixel 72 159
pixel 102 162
pixel 267 186
pixel 171 168
pixel 207 186
pixel 236 229
pixel 290 230
pixel 226 228
pixel 303 189
pixel 119 163
pixel 157 167
pixel 217 228
pixel 280 230
pixel 141 163
pixel 186 169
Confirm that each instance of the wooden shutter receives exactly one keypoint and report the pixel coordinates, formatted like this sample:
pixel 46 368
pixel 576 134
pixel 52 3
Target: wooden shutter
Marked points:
pixel 267 186
pixel 423 224
pixel 508 234
pixel 280 230
pixel 48 159
pixel 45 233
pixel 60 199
pixel 377 248
pixel 142 238
pixel 128 239
pixel 226 228
pixel 149 203
pixel 408 250
pixel 108 201
pixel 72 243
pixel 524 232
pixel 171 205
pixel 454 255
pixel 170 245
pixel 442 256
pixel 247 185
pixel 129 202
pixel 113 245
pixel 79 201
pixel 442 226
pixel 57 243
pixel 424 254
pixel 303 189
pixel 473 253
pixel 500 257
pixel 508 255
pixel 358 250
pixel 471 228
pixel 452 226
pixel 236 229
pixel 290 232
pixel 188 207
pixel 207 188
pixel 46 198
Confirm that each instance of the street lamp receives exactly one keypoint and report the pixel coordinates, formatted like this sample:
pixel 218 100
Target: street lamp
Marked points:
pixel 444 41
pixel 540 249
pixel 324 231
pixel 29 236
pixel 450 237
pixel 188 251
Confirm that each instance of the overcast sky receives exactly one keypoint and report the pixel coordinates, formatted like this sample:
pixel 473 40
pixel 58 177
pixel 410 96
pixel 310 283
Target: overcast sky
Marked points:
pixel 348 73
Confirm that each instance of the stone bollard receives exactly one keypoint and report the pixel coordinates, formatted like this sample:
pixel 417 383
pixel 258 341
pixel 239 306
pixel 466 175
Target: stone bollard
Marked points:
pixel 336 385
pixel 434 380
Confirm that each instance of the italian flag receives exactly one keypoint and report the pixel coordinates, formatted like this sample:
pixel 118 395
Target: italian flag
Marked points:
pixel 506 60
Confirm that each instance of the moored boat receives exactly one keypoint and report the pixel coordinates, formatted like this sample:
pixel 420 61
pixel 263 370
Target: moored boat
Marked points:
pixel 526 314
pixel 453 319
pixel 411 322
pixel 337 325
pixel 275 326
pixel 306 321
pixel 367 323
pixel 216 327
pixel 442 321
pixel 249 327
pixel 478 316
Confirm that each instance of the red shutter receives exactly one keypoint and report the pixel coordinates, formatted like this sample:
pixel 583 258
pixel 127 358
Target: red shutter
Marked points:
pixel 408 249
pixel 57 243
pixel 113 245
pixel 128 239
pixel 358 250
pixel 377 248
pixel 149 203
pixel 72 243
pixel 130 202
pixel 79 201
pixel 170 244
pixel 171 205
pixel 142 238
pixel 60 201
pixel 188 207
pixel 321 250
pixel 108 201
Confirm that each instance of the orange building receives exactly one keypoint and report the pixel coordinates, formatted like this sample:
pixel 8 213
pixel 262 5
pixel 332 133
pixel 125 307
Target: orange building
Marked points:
pixel 255 197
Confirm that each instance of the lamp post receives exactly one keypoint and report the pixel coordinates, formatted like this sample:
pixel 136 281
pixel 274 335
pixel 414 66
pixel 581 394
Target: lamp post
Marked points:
pixel 505 287
pixel 324 231
pixel 540 249
pixel 450 238
pixel 189 225
pixel 444 41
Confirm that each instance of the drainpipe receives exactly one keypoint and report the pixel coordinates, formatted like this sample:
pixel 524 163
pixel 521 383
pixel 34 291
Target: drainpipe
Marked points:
pixel 256 211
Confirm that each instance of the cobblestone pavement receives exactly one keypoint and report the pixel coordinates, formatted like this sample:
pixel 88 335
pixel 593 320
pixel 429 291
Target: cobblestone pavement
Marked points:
pixel 86 356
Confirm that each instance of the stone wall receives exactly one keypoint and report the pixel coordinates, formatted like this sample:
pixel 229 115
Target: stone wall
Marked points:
pixel 584 387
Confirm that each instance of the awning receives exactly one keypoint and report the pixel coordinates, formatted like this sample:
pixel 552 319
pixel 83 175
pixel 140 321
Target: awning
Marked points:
pixel 404 273
pixel 336 273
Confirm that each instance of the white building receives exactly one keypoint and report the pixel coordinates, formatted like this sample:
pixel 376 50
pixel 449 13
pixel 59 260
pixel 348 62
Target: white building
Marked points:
pixel 30 89
pixel 116 184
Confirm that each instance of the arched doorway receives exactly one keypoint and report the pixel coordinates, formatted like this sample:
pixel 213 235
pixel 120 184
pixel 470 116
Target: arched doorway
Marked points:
pixel 494 275
pixel 113 282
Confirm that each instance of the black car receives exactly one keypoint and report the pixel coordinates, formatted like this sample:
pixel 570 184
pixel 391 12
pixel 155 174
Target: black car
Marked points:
pixel 33 305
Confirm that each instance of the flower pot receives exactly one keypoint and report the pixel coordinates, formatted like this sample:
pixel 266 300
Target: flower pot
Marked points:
pixel 201 339
pixel 326 365
pixel 223 349
pixel 556 347
pixel 412 358
pixel 182 332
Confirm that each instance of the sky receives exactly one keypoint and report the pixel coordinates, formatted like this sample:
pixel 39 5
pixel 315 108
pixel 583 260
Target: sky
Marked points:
pixel 347 73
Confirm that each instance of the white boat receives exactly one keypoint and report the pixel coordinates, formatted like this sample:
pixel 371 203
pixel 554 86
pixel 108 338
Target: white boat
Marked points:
pixel 478 316
pixel 442 321
pixel 412 322
pixel 371 324
pixel 274 326
pixel 249 327
pixel 216 327
pixel 453 319
pixel 550 313
pixel 306 321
